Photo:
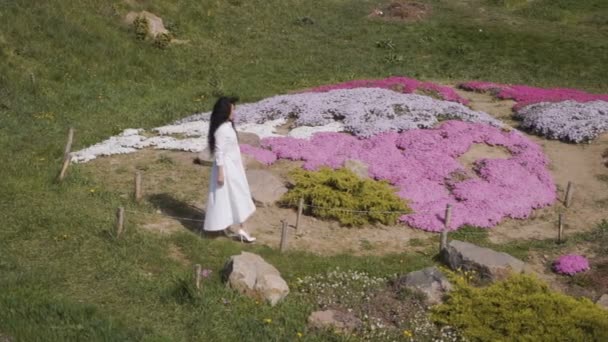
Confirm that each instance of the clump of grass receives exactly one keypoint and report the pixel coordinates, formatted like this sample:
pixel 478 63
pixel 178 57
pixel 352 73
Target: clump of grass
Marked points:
pixel 141 27
pixel 521 307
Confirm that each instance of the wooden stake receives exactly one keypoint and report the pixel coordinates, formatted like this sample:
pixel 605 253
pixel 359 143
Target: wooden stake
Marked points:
pixel 446 223
pixel 68 146
pixel 284 228
pixel 120 221
pixel 300 208
pixel 569 191
pixel 197 276
pixel 67 156
pixel 560 228
pixel 138 192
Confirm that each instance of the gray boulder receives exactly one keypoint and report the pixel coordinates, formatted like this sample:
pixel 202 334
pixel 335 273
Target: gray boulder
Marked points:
pixel 603 301
pixel 266 188
pixel 155 23
pixel 429 281
pixel 252 276
pixel 357 167
pixel 334 320
pixel 489 264
pixel 249 139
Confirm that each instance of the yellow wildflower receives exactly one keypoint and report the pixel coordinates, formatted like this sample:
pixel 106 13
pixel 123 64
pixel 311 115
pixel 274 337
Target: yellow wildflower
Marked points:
pixel 267 320
pixel 300 334
pixel 407 333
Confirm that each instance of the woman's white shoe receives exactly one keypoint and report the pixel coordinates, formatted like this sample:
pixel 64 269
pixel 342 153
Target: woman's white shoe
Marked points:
pixel 244 236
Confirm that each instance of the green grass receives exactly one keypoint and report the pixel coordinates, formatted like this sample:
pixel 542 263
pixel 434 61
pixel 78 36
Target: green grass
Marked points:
pixel 72 63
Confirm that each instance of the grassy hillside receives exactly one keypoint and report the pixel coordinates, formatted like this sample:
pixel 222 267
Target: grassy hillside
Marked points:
pixel 74 63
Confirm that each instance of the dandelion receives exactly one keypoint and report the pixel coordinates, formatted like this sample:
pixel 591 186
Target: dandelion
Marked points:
pixel 92 190
pixel 267 320
pixel 300 334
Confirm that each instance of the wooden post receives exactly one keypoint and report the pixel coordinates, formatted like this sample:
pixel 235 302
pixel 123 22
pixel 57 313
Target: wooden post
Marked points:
pixel 138 192
pixel 284 228
pixel 569 191
pixel 300 208
pixel 197 276
pixel 67 156
pixel 446 223
pixel 120 221
pixel 560 228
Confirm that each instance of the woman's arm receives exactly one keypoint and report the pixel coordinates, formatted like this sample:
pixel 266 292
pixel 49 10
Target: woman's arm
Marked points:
pixel 220 147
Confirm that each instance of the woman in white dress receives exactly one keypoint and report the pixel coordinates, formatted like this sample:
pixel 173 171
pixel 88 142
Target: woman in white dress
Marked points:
pixel 229 201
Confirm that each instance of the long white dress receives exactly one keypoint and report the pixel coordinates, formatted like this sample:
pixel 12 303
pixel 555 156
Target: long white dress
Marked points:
pixel 230 203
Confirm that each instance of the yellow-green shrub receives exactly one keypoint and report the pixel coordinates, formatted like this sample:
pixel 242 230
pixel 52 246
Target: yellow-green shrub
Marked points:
pixel 342 189
pixel 521 308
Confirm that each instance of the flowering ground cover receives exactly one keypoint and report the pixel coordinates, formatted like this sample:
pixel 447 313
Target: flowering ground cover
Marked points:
pixel 526 95
pixel 423 165
pixel 559 113
pixel 567 120
pixel 400 84
pixel 571 264
pixel 360 111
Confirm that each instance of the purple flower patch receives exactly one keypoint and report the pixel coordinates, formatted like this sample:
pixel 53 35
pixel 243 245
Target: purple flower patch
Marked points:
pixel 421 165
pixel 398 83
pixel 571 264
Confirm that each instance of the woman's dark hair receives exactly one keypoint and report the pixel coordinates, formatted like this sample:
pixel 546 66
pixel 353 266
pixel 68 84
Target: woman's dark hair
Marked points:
pixel 219 115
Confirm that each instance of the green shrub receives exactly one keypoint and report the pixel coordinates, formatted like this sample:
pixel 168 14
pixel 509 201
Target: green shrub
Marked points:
pixel 342 189
pixel 162 40
pixel 521 308
pixel 140 25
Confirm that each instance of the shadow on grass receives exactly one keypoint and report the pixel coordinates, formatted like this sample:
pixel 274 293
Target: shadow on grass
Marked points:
pixel 191 217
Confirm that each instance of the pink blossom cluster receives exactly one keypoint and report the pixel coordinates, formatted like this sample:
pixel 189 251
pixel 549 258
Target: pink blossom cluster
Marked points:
pixel 262 155
pixel 571 264
pixel 397 83
pixel 526 95
pixel 421 164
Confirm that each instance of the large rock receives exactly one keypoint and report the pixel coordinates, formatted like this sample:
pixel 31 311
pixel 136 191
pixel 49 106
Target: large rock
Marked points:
pixel 489 264
pixel 429 281
pixel 155 23
pixel 334 320
pixel 266 188
pixel 603 301
pixel 252 276
pixel 357 167
pixel 249 139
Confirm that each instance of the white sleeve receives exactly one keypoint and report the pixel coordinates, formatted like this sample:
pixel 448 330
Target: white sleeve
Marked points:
pixel 220 146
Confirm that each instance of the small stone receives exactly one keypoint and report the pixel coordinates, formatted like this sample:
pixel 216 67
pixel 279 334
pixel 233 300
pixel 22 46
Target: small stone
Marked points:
pixel 430 281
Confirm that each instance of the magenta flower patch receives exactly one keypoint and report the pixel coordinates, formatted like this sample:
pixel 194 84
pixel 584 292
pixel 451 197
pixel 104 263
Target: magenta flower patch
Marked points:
pixel 422 164
pixel 526 95
pixel 398 83
pixel 262 155
pixel 571 264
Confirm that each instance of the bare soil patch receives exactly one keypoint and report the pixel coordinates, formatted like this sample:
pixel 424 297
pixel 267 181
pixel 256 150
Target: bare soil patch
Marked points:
pixel 402 10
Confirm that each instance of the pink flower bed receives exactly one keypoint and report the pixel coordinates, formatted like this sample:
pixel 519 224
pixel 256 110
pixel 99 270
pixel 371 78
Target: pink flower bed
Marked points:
pixel 571 264
pixel 264 156
pixel 526 95
pixel 421 165
pixel 398 83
